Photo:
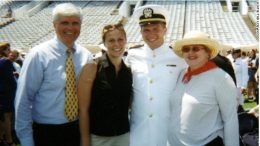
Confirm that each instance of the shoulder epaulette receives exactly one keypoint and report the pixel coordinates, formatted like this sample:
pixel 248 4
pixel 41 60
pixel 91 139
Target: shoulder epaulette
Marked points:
pixel 136 46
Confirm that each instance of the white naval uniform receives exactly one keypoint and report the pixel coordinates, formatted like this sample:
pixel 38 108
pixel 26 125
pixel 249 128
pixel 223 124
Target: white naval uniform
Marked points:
pixel 241 73
pixel 155 73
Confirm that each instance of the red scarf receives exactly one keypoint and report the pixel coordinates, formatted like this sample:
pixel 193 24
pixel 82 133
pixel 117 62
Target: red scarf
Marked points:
pixel 207 66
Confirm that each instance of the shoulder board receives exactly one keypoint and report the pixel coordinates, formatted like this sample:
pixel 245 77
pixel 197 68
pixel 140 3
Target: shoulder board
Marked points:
pixel 136 46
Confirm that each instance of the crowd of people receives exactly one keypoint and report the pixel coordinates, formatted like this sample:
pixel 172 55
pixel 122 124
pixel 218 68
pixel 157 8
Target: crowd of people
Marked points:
pixel 10 66
pixel 157 94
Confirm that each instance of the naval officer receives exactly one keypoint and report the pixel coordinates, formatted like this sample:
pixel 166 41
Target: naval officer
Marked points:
pixel 155 70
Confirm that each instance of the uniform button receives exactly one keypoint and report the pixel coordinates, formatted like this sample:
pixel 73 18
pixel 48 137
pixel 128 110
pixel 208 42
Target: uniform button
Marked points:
pixel 151 98
pixel 152 66
pixel 151 115
pixel 154 55
pixel 151 81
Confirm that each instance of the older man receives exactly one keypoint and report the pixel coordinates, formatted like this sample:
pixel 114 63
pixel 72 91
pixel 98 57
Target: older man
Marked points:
pixel 46 87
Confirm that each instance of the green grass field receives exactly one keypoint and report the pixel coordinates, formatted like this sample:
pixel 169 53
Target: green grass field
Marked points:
pixel 249 105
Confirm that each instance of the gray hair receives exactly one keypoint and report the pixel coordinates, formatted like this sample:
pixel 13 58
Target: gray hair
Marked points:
pixel 66 9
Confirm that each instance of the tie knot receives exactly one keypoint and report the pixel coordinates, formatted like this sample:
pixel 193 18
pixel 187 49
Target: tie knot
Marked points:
pixel 69 51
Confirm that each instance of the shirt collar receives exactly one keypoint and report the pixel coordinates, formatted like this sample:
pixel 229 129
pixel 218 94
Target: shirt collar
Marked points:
pixel 158 50
pixel 61 47
pixel 107 63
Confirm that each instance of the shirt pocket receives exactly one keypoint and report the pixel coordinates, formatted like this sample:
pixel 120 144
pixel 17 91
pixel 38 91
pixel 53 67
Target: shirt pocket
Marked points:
pixel 169 76
pixel 55 76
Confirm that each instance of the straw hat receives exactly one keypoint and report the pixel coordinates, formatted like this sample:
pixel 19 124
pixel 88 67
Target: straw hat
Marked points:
pixel 197 38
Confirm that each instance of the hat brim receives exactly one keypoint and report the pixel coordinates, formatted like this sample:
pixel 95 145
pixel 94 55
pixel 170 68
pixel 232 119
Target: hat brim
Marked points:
pixel 151 22
pixel 210 43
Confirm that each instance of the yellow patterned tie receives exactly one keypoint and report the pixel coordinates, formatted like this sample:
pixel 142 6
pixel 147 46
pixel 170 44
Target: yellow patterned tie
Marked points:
pixel 71 100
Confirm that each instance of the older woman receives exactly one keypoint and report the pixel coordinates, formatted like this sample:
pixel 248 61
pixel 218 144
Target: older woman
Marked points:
pixel 104 94
pixel 203 106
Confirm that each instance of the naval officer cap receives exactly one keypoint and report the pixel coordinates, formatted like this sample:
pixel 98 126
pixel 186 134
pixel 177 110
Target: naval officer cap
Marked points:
pixel 151 14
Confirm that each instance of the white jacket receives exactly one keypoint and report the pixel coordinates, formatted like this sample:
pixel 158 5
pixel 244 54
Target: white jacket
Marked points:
pixel 155 73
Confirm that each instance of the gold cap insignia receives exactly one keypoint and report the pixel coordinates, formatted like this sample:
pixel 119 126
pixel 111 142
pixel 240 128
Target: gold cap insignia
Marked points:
pixel 148 12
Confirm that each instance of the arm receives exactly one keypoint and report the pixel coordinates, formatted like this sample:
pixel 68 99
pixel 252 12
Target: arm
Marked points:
pixel 29 83
pixel 226 93
pixel 256 76
pixel 85 84
pixel 255 111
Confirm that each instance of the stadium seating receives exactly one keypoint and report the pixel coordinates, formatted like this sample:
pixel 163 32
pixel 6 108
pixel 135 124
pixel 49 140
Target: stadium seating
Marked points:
pixel 203 15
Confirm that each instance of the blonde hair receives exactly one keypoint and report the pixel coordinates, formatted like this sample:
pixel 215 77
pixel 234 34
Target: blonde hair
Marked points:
pixel 111 27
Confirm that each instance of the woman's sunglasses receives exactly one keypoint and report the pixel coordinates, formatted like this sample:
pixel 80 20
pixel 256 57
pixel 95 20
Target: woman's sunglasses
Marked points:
pixel 186 49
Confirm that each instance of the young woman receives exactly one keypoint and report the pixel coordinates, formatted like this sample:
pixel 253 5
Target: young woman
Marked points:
pixel 104 93
pixel 203 106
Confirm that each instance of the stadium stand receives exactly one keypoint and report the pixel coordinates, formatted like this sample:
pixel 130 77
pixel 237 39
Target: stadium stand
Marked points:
pixel 226 27
pixel 185 15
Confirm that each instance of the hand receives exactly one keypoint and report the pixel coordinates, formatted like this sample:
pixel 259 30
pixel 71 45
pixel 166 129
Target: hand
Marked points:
pixel 254 111
pixel 16 74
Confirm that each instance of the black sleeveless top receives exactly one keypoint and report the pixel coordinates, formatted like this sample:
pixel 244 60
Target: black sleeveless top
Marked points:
pixel 110 99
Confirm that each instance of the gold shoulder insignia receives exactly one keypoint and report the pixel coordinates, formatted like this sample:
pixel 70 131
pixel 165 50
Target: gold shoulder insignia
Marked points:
pixel 136 46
